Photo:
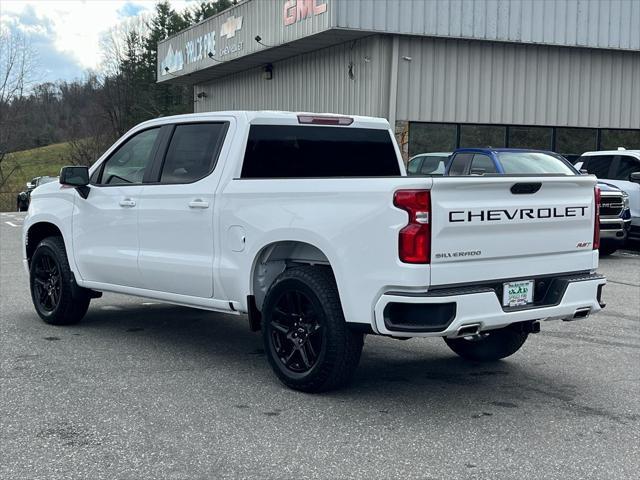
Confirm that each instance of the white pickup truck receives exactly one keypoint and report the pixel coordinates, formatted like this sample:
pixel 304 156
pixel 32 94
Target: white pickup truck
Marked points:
pixel 309 225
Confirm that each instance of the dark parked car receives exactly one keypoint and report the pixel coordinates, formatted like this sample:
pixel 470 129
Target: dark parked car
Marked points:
pixel 23 198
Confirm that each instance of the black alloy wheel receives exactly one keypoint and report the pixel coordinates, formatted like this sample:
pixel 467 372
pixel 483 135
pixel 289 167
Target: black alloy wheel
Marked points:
pixel 296 333
pixel 55 295
pixel 47 282
pixel 306 339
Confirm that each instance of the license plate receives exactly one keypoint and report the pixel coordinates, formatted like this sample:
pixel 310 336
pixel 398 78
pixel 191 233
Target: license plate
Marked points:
pixel 517 293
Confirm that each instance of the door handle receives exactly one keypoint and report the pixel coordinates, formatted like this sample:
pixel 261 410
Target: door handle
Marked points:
pixel 127 202
pixel 198 203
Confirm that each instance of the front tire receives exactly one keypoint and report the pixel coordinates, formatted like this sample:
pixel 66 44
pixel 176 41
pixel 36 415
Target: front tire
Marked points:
pixel 306 339
pixel 56 297
pixel 489 346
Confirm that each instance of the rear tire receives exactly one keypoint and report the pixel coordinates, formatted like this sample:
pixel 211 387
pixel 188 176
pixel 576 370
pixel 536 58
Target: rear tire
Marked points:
pixel 605 251
pixel 306 339
pixel 56 297
pixel 488 346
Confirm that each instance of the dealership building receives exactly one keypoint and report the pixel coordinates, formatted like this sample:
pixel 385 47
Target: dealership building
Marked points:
pixel 559 75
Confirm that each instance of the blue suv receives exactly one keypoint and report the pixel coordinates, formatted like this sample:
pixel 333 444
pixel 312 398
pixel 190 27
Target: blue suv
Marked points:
pixel 516 161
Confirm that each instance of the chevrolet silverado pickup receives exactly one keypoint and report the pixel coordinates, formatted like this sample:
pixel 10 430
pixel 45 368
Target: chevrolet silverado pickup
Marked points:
pixel 309 226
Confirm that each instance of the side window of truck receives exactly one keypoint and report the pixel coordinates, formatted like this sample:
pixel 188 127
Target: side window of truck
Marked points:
pixel 193 152
pixel 127 165
pixel 291 151
pixel 626 166
pixel 433 165
pixel 414 165
pixel 484 163
pixel 598 165
pixel 460 164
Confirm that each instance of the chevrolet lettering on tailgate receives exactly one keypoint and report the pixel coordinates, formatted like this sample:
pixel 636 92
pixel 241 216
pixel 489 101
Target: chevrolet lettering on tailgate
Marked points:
pixel 515 214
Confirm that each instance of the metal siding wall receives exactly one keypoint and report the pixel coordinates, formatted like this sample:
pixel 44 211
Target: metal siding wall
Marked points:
pixel 587 23
pixel 492 82
pixel 315 82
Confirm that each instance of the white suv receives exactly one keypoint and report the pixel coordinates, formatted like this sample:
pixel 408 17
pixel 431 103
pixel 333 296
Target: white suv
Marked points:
pixel 621 168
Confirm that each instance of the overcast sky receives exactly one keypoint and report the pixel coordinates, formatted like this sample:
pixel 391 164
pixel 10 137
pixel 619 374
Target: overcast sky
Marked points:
pixel 65 34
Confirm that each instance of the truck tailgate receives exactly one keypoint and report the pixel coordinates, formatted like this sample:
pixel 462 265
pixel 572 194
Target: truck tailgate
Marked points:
pixel 506 227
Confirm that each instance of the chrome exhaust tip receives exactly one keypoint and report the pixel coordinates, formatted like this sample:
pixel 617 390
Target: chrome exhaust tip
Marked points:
pixel 468 330
pixel 579 314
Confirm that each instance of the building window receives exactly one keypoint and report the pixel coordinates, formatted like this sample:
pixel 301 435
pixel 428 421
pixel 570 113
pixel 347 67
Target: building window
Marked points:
pixel 538 138
pixel 482 136
pixel 612 139
pixel 432 137
pixel 570 142
pixel 573 142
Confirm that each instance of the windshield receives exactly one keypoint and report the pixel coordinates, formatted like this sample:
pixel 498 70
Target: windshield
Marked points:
pixel 532 162
pixel 43 180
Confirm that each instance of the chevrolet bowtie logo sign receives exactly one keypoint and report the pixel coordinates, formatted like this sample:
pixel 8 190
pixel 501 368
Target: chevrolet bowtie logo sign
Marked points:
pixel 230 27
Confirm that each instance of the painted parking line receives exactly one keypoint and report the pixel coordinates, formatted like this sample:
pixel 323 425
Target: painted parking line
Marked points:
pixel 11 224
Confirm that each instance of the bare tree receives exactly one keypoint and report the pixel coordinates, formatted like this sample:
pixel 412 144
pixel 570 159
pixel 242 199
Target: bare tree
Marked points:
pixel 16 74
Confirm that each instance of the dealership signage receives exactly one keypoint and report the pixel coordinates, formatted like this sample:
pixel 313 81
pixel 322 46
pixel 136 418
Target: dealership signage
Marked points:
pixel 225 37
pixel 203 46
pixel 297 10
pixel 199 47
pixel 228 30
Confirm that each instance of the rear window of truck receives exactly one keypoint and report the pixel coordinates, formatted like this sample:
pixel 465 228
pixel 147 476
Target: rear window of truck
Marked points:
pixel 284 151
pixel 517 163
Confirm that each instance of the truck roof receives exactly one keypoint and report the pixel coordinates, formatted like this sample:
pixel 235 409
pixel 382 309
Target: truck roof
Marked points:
pixel 270 117
pixel 497 150
pixel 620 151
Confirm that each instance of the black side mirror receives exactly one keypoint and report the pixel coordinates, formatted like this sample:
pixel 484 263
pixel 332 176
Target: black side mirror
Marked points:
pixel 76 177
pixel 634 177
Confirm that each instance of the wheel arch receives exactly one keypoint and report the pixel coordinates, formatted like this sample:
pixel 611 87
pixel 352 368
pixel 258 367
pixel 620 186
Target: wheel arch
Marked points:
pixel 38 232
pixel 276 257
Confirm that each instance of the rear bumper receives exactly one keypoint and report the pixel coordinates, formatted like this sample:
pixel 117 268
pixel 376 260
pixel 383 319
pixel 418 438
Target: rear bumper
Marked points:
pixel 443 313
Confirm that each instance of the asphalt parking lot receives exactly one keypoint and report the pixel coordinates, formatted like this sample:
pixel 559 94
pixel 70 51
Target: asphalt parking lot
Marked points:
pixel 146 390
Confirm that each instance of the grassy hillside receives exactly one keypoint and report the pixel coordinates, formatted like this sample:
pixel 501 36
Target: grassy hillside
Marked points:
pixel 31 163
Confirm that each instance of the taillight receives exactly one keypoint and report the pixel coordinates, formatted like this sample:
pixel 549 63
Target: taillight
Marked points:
pixel 414 241
pixel 596 224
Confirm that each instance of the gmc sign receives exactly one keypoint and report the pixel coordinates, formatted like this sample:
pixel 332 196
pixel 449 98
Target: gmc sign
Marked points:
pixel 297 10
